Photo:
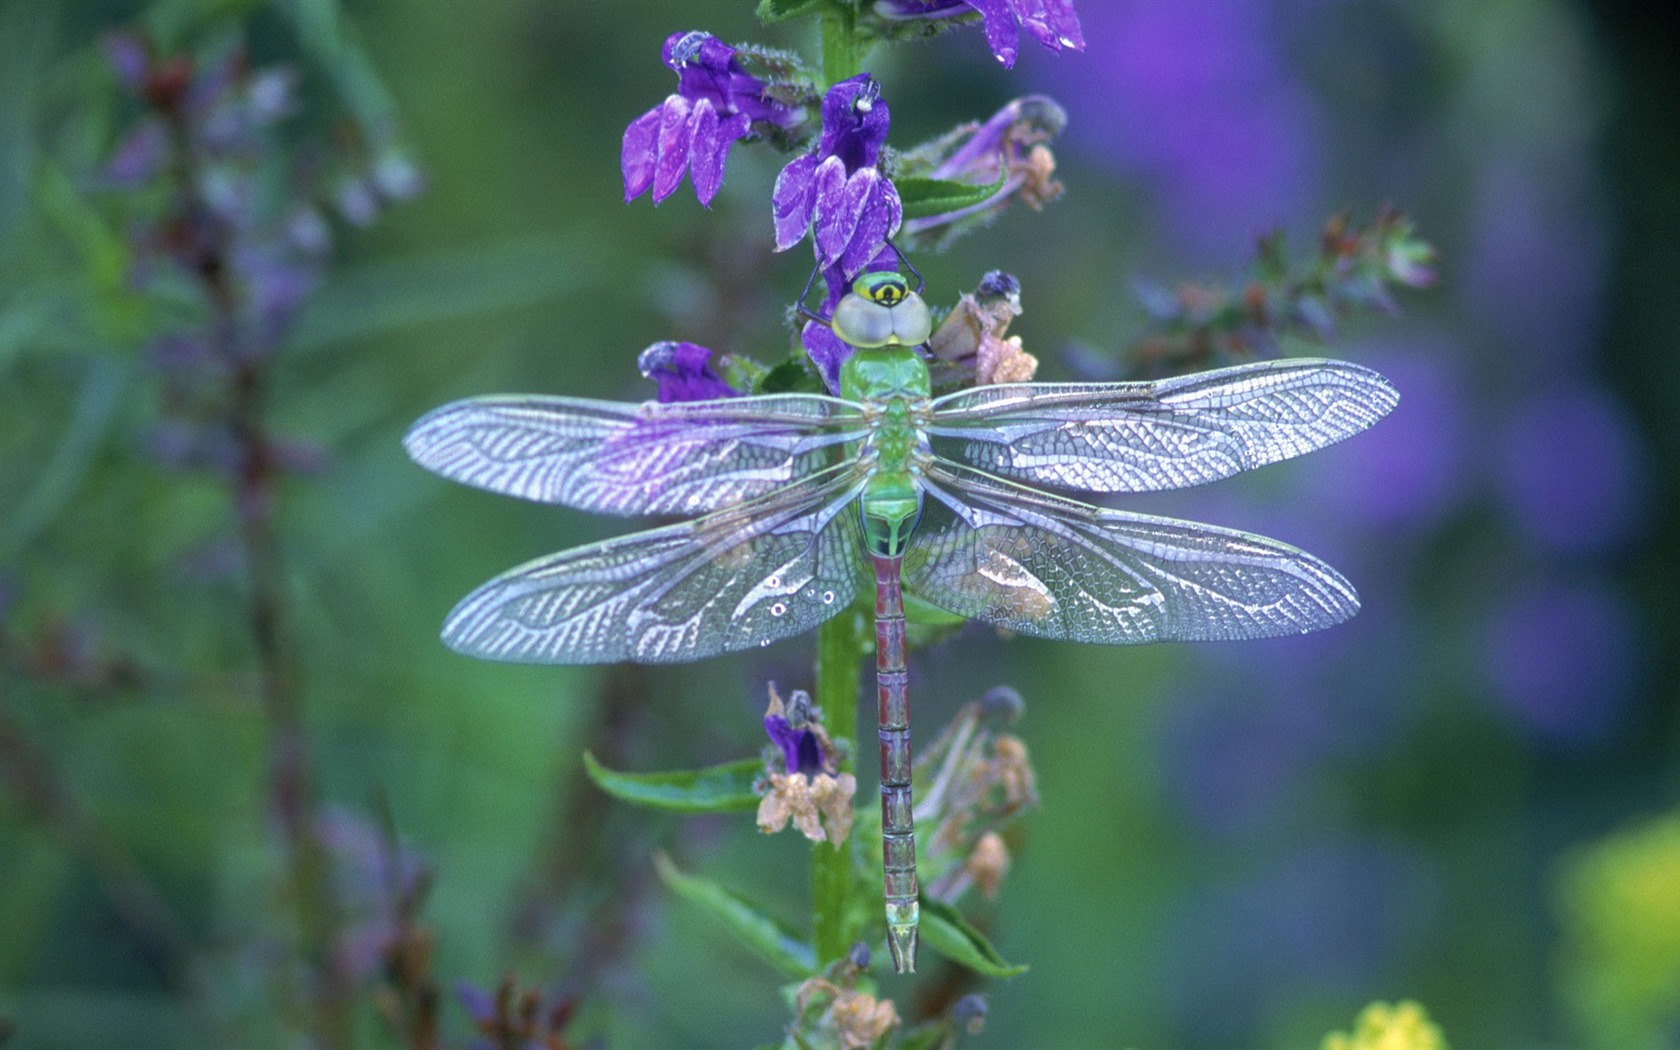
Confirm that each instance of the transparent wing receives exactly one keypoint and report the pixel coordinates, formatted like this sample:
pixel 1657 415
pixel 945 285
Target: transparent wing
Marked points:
pixel 1143 437
pixel 616 458
pixel 1051 567
pixel 741 577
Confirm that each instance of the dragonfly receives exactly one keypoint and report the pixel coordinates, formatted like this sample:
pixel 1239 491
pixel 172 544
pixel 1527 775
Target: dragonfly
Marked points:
pixel 797 502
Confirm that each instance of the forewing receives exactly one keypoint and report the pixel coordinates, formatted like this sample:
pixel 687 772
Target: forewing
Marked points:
pixel 738 578
pixel 616 458
pixel 1143 437
pixel 1051 567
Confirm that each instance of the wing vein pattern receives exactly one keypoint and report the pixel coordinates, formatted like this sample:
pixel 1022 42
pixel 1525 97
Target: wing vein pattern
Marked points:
pixel 1168 434
pixel 741 577
pixel 1043 565
pixel 614 458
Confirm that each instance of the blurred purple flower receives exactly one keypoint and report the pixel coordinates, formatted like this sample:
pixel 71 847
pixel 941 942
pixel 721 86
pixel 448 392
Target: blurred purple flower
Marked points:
pixel 1232 762
pixel 1328 919
pixel 1052 23
pixel 140 155
pixel 130 58
pixel 837 188
pixel 1569 469
pixel 1198 98
pixel 684 372
pixel 1536 267
pixel 1561 656
pixel 715 105
pixel 1409 473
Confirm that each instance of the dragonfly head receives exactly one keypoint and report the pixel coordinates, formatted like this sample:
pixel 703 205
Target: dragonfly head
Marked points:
pixel 882 310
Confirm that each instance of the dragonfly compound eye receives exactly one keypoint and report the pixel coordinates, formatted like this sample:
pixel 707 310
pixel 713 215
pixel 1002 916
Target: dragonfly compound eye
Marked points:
pixel 881 310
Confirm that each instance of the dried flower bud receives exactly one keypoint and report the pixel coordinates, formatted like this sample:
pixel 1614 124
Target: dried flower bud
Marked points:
pixel 971 341
pixel 988 863
pixel 819 806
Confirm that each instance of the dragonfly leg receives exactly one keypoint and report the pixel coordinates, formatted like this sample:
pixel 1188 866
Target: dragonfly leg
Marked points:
pixel 898 830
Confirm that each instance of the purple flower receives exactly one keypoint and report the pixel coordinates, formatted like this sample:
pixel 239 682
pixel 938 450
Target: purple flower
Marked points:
pixel 792 728
pixel 715 106
pixel 1198 101
pixel 1569 467
pixel 838 190
pixel 140 155
pixel 1011 147
pixel 1562 658
pixel 684 372
pixel 1052 23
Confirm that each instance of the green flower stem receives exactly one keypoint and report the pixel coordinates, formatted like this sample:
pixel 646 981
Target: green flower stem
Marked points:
pixel 840 648
pixel 842 50
pixel 839 663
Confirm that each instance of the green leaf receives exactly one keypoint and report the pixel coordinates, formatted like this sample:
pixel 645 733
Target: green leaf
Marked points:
pixel 792 376
pixel 72 461
pixel 716 789
pixel 948 933
pixel 925 197
pixel 389 296
pixel 756 930
pixel 781 10
pixel 333 42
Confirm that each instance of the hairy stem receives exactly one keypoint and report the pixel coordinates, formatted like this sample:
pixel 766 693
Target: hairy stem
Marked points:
pixel 291 770
pixel 842 50
pixel 291 766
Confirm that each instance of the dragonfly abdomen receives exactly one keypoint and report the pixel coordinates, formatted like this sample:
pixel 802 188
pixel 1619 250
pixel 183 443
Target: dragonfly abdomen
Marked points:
pixel 898 826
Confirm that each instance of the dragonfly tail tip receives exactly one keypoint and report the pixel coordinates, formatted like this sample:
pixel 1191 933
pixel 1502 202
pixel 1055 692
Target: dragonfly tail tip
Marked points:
pixel 901 939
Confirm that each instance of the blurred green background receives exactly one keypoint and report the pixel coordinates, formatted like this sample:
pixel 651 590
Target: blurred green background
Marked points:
pixel 1237 846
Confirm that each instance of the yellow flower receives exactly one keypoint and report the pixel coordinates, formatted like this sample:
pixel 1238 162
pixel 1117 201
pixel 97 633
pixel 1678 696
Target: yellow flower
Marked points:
pixel 1621 919
pixel 1404 1026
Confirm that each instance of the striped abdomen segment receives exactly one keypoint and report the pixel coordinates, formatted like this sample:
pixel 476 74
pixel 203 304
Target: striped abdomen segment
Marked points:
pixel 898 828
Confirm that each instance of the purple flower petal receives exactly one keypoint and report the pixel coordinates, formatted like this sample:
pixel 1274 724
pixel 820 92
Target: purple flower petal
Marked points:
pixel 801 751
pixel 1002 34
pixel 675 134
pixel 832 220
pixel 712 138
pixel 1052 23
pixel 705 152
pixel 826 350
pixel 684 372
pixel 791 201
pixel 640 151
pixel 879 212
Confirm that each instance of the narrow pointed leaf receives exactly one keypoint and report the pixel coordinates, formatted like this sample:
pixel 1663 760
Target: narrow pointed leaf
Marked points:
pixel 780 10
pixel 924 197
pixel 948 933
pixel 716 789
pixel 756 930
